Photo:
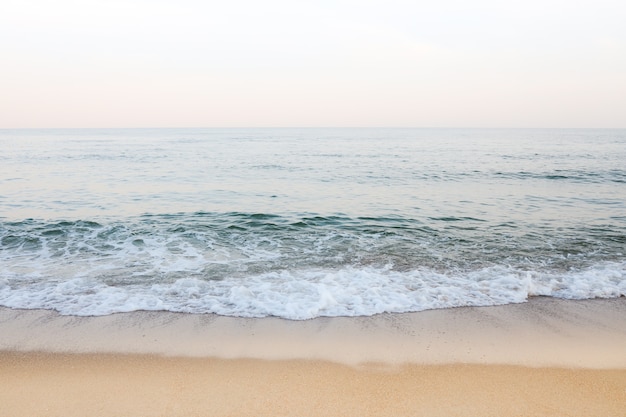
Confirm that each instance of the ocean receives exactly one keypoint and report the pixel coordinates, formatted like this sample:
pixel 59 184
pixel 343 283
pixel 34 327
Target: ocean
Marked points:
pixel 303 223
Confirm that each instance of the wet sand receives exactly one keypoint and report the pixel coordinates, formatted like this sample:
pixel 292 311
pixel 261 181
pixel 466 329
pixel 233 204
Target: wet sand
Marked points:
pixel 543 358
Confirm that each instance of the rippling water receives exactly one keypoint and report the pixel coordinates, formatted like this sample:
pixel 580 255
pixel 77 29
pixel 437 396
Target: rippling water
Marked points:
pixel 300 223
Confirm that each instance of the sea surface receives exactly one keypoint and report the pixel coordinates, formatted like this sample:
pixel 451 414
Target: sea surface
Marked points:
pixel 301 223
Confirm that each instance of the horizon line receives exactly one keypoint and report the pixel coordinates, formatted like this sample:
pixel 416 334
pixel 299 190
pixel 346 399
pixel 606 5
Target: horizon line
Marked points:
pixel 312 127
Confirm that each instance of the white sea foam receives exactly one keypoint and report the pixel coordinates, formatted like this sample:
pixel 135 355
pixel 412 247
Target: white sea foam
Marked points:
pixel 312 293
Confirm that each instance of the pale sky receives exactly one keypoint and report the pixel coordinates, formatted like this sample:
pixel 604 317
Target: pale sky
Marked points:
pixel 245 63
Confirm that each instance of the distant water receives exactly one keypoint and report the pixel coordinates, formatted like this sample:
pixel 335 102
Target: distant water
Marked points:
pixel 300 223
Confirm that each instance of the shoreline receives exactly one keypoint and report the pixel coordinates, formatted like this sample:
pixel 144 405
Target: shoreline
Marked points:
pixel 542 358
pixel 541 332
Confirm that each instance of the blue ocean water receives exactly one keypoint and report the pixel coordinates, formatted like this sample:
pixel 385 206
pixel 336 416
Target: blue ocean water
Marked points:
pixel 300 223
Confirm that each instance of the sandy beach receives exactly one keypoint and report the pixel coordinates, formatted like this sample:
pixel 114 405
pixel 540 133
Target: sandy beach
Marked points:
pixel 542 358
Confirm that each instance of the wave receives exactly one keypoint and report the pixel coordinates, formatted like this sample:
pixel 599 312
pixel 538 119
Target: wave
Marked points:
pixel 304 294
pixel 299 267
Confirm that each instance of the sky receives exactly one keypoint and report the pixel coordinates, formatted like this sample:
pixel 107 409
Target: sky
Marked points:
pixel 245 63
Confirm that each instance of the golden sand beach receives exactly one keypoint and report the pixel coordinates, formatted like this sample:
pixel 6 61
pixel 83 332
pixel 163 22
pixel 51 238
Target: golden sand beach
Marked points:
pixel 546 357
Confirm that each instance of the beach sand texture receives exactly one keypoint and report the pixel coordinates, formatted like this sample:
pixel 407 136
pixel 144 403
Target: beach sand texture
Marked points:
pixel 546 357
